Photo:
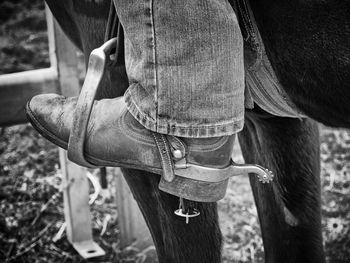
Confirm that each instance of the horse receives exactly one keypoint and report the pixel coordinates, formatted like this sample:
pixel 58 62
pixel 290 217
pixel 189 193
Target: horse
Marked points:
pixel 308 44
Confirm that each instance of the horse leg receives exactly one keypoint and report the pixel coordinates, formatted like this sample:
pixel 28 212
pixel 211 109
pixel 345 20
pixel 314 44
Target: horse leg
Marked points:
pixel 289 208
pixel 175 241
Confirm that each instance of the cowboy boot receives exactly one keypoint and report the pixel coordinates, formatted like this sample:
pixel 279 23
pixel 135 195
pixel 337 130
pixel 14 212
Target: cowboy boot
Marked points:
pixel 195 169
pixel 103 133
pixel 114 138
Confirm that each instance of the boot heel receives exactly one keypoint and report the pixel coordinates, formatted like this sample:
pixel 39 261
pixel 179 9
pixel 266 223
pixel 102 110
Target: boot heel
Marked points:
pixel 194 190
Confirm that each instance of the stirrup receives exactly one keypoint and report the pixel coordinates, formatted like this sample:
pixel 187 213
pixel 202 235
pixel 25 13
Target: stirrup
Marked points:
pixel 98 60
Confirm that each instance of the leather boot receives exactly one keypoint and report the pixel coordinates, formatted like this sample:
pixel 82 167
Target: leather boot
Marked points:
pixel 114 138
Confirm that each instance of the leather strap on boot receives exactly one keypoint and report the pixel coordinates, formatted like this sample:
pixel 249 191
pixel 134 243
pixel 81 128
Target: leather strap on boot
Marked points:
pixel 165 156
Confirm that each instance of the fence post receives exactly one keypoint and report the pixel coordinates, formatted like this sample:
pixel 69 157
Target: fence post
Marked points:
pixel 76 193
pixel 133 228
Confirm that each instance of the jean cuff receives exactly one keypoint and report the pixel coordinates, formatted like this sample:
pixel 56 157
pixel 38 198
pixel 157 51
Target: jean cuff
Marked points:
pixel 161 125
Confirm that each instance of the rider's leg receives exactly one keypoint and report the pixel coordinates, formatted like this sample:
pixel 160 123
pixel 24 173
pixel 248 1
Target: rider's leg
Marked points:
pixel 184 61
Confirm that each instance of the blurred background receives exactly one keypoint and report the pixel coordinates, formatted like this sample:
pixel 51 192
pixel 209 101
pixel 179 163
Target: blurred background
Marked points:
pixel 31 206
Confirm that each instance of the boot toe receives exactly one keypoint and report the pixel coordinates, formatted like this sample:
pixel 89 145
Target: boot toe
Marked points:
pixel 52 116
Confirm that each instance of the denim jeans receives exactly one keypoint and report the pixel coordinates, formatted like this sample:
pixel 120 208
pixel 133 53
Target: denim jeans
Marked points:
pixel 184 61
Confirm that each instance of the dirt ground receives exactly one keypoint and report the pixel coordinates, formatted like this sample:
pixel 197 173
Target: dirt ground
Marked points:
pixel 31 210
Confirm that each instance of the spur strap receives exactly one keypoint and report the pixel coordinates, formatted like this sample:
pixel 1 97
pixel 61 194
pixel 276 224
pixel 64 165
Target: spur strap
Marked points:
pixel 165 156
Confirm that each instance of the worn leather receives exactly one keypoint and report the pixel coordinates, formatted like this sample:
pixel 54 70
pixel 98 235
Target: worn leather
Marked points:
pixel 262 85
pixel 115 138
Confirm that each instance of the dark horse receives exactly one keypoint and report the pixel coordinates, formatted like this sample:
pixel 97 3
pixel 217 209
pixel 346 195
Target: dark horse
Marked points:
pixel 308 44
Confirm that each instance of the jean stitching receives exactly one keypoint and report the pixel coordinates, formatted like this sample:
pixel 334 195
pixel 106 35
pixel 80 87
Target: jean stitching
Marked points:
pixel 136 109
pixel 154 53
pixel 203 126
pixel 181 131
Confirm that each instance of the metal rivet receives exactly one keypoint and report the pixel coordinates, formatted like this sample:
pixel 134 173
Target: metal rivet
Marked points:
pixel 177 154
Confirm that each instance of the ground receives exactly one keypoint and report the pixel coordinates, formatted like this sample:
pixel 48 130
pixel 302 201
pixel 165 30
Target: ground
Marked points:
pixel 31 210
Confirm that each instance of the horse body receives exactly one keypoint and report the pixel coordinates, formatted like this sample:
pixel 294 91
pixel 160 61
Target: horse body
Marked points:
pixel 308 45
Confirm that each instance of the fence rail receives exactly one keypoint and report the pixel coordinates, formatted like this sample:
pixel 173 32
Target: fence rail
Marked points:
pixel 17 88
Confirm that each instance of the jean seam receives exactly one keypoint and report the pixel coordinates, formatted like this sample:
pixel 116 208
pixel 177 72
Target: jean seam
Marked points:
pixel 212 130
pixel 154 54
pixel 132 107
pixel 204 126
pixel 220 129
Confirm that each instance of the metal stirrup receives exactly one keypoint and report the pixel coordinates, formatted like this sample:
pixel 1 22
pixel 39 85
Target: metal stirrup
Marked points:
pixel 97 64
pixel 98 60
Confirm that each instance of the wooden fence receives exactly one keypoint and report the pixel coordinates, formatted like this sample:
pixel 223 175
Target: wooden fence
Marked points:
pixel 62 77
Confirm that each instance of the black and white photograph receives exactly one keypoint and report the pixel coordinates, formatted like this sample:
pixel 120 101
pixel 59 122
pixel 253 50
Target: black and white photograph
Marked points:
pixel 175 131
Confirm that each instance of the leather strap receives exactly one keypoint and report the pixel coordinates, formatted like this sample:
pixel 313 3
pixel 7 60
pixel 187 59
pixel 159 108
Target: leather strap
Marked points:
pixel 112 26
pixel 165 156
